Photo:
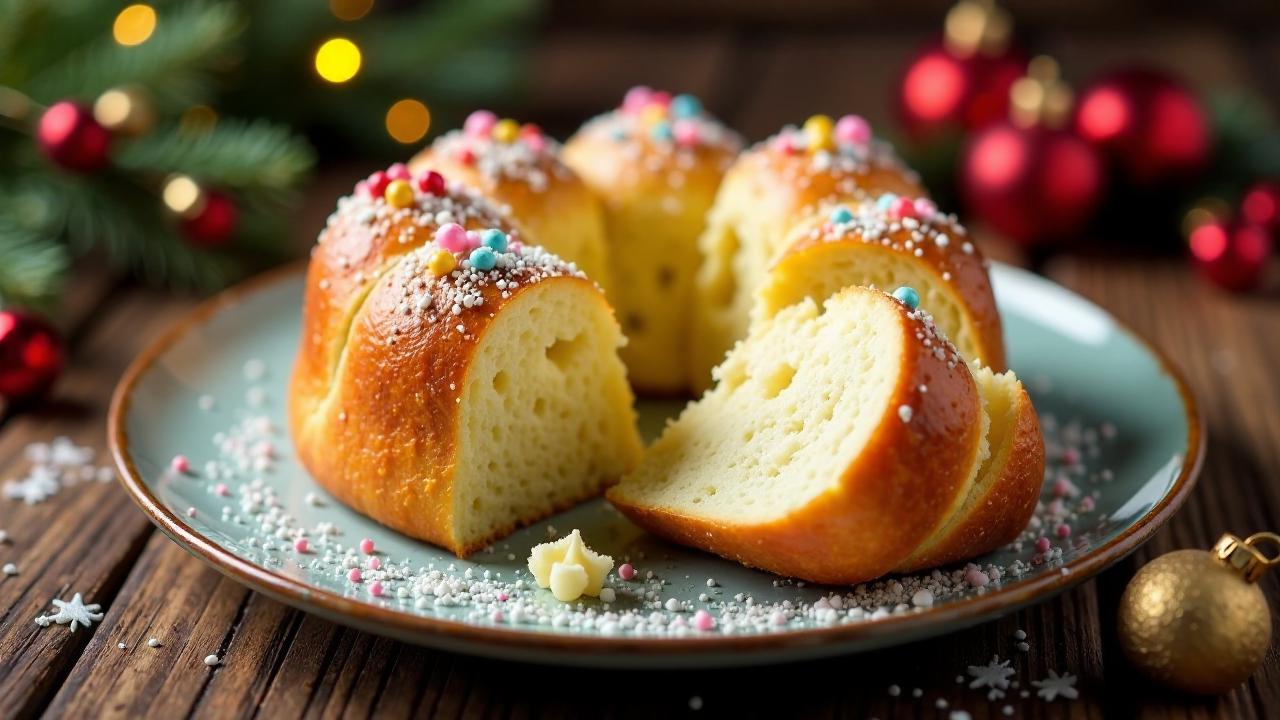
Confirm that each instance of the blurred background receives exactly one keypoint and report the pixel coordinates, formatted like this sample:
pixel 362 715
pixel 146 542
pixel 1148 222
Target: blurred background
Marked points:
pixel 187 143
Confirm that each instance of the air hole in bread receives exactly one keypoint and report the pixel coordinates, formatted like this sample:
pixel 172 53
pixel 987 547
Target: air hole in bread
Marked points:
pixel 722 286
pixel 778 380
pixel 561 352
pixel 666 277
pixel 501 382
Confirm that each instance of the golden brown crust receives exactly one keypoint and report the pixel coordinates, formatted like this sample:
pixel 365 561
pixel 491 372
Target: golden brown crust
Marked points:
pixel 903 485
pixel 1004 511
pixel 940 247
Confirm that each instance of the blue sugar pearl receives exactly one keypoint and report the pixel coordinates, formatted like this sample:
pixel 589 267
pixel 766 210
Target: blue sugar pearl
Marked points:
pixel 494 239
pixel 907 296
pixel 886 201
pixel 841 215
pixel 483 258
pixel 661 131
pixel 685 106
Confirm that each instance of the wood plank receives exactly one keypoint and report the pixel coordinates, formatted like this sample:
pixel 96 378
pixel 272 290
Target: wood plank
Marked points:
pixel 83 539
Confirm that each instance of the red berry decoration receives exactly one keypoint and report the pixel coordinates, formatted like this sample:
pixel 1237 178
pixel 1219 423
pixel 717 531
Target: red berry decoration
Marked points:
pixel 213 226
pixel 1233 256
pixel 1037 185
pixel 1151 125
pixel 1261 206
pixel 431 183
pixel 31 357
pixel 70 137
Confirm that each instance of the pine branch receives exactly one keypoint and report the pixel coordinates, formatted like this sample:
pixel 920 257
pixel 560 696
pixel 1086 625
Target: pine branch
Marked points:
pixel 233 154
pixel 32 266
pixel 173 65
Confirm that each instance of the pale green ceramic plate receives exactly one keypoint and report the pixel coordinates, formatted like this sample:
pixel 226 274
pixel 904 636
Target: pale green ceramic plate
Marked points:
pixel 1098 388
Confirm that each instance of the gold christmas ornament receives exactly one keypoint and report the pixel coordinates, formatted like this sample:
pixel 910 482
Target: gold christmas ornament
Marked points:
pixel 1196 620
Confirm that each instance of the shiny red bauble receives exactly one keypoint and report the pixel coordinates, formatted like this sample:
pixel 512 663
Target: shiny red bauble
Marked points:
pixel 1152 126
pixel 941 91
pixel 1233 256
pixel 69 136
pixel 1036 185
pixel 214 225
pixel 1260 206
pixel 31 357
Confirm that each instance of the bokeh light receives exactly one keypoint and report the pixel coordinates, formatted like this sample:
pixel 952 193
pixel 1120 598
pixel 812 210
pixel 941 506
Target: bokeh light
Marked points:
pixel 134 25
pixel 197 119
pixel 408 121
pixel 338 60
pixel 350 10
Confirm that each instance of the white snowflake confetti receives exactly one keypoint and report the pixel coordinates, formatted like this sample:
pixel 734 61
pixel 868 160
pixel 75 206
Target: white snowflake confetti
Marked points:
pixel 74 612
pixel 1056 686
pixel 994 675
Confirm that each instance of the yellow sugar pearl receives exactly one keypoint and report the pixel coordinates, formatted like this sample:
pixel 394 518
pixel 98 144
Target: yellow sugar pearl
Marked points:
pixel 653 114
pixel 399 194
pixel 818 131
pixel 442 263
pixel 506 131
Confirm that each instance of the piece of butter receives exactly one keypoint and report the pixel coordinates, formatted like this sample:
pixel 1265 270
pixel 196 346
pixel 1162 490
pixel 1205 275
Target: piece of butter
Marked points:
pixel 569 567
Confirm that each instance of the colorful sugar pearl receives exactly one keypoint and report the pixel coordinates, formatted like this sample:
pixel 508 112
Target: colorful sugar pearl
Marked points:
pixel 1042 544
pixel 853 130
pixel 398 171
pixel 903 207
pixel 431 183
pixel 452 237
pixel 661 131
pixel 466 156
pixel 841 215
pixel 506 131
pixel 886 201
pixel 375 589
pixel 301 545
pixel 366 546
pixel 685 132
pixel 221 490
pixel 482 258
pixel 355 576
pixel 479 124
pixel 907 296
pixel 399 194
pixel 636 99
pixel 661 98
pixel 652 115
pixel 180 464
pixel 532 137
pixel 473 240
pixel 494 239
pixel 626 571
pixel 817 130
pixel 376 184
pixel 375 563
pixel 685 106
pixel 925 208
pixel 442 263
pixel 1063 531
pixel 703 621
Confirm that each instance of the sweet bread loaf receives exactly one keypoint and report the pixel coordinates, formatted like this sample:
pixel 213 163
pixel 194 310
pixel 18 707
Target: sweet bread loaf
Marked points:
pixel 453 382
pixel 770 189
pixel 519 169
pixel 842 442
pixel 890 243
pixel 655 164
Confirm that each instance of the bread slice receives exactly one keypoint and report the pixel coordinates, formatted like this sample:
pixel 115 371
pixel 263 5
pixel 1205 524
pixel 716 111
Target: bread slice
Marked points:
pixel 871 244
pixel 838 439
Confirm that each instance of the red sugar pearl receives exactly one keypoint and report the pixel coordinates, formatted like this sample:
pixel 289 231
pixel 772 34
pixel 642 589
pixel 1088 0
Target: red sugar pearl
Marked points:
pixel 366 546
pixel 301 545
pixel 376 184
pixel 903 207
pixel 1064 530
pixel 431 183
pixel 626 571
pixel 1042 544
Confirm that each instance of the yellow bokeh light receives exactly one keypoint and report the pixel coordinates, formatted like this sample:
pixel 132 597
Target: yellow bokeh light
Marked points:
pixel 197 119
pixel 350 9
pixel 338 60
pixel 134 25
pixel 408 121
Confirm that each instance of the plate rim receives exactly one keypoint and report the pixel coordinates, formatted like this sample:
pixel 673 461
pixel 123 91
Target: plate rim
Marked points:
pixel 499 641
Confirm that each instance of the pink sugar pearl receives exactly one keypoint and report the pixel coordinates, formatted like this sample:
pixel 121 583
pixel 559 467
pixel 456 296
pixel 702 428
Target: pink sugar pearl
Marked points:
pixel 180 464
pixel 703 620
pixel 1087 504
pixel 661 98
pixel 221 490
pixel 1071 456
pixel 853 130
pixel 636 99
pixel 626 571
pixel 375 588
pixel 301 545
pixel 976 578
pixel 535 141
pixel 452 237
pixel 479 124
pixel 473 240
pixel 375 563
pixel 502 597
pixel 398 171
pixel 1064 530
pixel 366 546
pixel 925 208
pixel 1042 544
pixel 355 576
pixel 685 132
pixel 1062 487
pixel 496 616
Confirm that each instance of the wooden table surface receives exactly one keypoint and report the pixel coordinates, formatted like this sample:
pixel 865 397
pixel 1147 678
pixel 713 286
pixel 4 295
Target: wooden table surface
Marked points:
pixel 279 662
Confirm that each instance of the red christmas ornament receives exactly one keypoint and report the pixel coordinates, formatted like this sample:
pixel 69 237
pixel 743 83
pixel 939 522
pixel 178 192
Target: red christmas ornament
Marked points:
pixel 30 357
pixel 1149 123
pixel 941 91
pixel 1232 256
pixel 1261 206
pixel 1036 184
pixel 213 225
pixel 70 137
